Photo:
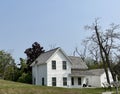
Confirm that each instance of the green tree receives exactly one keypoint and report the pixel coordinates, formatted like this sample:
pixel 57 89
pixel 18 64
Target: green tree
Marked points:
pixel 5 61
pixel 25 78
pixel 93 64
pixel 34 52
pixel 23 65
pixel 24 75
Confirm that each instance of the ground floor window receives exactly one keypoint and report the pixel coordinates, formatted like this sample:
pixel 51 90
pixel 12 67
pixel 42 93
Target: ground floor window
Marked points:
pixel 79 80
pixel 53 81
pixel 64 81
pixel 72 81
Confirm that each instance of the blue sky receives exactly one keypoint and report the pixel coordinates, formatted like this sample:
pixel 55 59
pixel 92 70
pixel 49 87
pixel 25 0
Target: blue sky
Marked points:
pixel 51 22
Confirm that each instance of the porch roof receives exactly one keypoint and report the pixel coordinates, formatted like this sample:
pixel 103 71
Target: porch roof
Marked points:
pixel 94 72
pixel 79 73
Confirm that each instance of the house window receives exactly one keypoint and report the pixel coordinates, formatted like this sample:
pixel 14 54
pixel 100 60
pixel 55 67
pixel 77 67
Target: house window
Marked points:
pixel 53 64
pixel 72 81
pixel 43 81
pixel 79 80
pixel 64 81
pixel 53 81
pixel 64 65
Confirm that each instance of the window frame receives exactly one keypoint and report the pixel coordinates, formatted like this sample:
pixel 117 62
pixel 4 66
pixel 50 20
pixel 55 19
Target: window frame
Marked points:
pixel 54 81
pixel 54 64
pixel 64 81
pixel 64 65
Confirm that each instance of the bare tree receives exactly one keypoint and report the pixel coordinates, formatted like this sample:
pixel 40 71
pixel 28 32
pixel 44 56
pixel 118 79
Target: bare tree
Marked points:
pixel 82 53
pixel 106 41
pixel 94 52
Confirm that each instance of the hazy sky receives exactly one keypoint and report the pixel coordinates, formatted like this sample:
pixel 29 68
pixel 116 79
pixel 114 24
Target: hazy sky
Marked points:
pixel 51 22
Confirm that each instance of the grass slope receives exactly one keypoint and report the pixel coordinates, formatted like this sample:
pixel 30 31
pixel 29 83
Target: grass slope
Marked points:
pixel 8 87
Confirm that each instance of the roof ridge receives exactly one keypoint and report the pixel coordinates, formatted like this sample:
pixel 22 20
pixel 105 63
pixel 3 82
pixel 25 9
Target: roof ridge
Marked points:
pixel 52 49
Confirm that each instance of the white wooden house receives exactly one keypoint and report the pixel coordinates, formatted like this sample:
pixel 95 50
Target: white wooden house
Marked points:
pixel 55 68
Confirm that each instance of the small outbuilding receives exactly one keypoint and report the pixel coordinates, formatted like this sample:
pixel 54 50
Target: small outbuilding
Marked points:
pixel 97 77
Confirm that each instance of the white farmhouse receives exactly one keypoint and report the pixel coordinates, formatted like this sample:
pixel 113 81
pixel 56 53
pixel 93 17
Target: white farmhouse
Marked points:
pixel 55 68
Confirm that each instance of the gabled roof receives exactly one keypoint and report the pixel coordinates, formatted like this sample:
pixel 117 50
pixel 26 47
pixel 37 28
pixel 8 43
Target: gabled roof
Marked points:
pixel 44 57
pixel 77 63
pixel 93 72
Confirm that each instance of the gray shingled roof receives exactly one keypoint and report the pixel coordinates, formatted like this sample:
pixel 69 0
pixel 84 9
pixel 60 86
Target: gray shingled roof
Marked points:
pixel 93 72
pixel 45 56
pixel 78 73
pixel 77 63
pixel 96 72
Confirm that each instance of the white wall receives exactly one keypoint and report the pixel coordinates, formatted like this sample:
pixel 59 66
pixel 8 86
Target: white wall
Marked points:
pixel 104 79
pixel 38 72
pixel 97 81
pixel 33 74
pixel 59 73
pixel 94 81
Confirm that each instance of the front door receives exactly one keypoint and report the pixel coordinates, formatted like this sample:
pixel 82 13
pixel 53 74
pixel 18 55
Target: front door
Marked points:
pixel 43 81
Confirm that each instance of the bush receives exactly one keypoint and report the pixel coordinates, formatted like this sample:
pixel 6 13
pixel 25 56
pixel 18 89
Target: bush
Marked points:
pixel 25 78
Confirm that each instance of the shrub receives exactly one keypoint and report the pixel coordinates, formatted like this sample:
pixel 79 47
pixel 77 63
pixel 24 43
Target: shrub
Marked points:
pixel 25 78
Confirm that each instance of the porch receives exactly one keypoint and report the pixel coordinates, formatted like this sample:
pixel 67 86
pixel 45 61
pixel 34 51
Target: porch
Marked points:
pixel 78 78
pixel 78 81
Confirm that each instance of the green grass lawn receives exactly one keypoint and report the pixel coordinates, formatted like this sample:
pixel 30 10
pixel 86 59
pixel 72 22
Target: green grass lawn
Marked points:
pixel 8 87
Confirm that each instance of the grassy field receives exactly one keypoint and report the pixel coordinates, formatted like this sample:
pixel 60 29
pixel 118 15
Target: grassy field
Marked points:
pixel 8 87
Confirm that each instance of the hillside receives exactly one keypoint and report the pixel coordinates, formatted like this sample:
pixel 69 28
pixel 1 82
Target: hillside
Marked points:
pixel 8 87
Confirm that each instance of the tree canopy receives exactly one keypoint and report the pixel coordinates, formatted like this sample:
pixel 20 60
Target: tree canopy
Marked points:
pixel 8 67
pixel 34 52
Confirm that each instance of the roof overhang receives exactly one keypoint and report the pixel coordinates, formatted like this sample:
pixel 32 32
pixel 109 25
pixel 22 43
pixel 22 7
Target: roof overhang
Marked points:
pixel 72 75
pixel 59 49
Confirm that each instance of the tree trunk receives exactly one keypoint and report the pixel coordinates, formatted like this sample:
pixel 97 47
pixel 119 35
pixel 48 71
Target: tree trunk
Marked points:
pixel 110 67
pixel 102 56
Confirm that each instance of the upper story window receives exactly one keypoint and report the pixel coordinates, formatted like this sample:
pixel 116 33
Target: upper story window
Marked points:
pixel 64 65
pixel 53 64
